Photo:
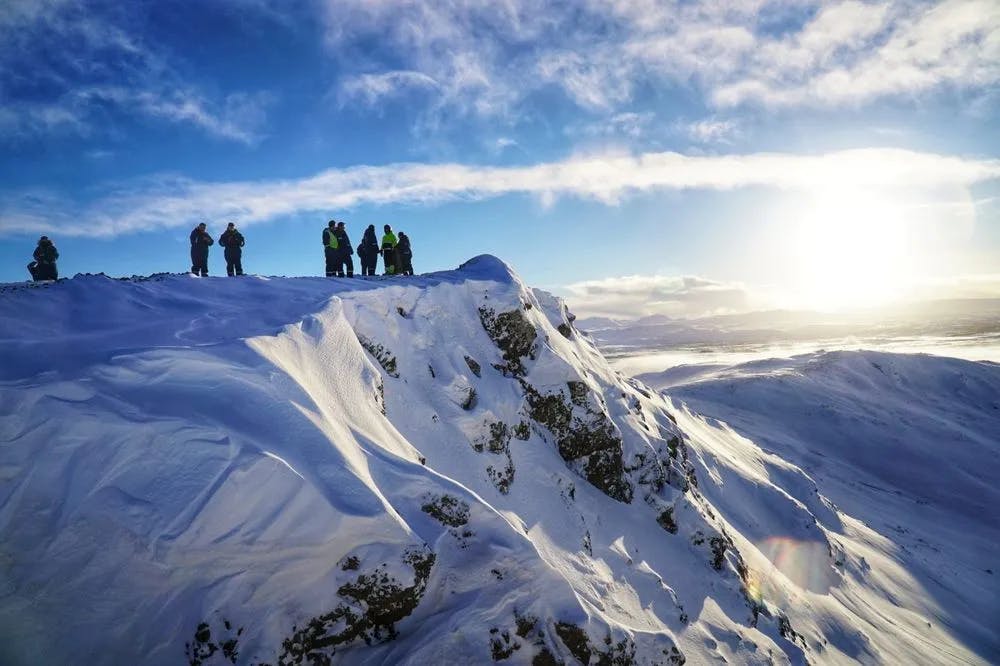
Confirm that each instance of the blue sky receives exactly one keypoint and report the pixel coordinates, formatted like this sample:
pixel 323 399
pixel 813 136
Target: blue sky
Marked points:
pixel 638 157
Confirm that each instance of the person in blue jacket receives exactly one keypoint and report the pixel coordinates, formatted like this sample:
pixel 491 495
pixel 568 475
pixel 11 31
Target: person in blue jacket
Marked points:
pixel 368 251
pixel 344 251
pixel 233 241
pixel 200 242
pixel 405 254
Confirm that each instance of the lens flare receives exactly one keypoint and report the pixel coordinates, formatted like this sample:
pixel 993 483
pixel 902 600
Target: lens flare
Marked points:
pixel 804 563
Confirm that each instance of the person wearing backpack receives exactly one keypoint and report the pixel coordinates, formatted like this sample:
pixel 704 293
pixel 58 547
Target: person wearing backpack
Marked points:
pixel 200 242
pixel 405 254
pixel 345 251
pixel 389 250
pixel 368 251
pixel 44 265
pixel 233 241
pixel 331 247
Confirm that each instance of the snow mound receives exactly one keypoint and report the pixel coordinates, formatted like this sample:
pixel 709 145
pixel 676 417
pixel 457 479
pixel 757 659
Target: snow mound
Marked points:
pixel 437 469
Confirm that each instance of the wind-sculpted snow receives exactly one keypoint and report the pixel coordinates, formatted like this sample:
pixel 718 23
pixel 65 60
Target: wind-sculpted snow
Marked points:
pixel 437 469
pixel 905 451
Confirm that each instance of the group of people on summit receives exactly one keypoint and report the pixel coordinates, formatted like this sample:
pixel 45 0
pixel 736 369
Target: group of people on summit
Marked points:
pixel 397 256
pixel 396 253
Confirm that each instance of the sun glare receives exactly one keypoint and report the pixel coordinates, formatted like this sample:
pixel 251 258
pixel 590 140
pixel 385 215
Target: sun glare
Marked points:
pixel 850 249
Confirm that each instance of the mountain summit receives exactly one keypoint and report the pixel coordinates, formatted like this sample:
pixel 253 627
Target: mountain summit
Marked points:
pixel 439 469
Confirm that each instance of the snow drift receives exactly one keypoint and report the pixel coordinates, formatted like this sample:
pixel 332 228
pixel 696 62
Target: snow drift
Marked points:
pixel 422 470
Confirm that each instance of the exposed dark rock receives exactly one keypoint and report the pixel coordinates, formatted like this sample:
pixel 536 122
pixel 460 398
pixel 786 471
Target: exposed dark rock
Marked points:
pixel 566 330
pixel 589 441
pixel 204 646
pixel 471 399
pixel 718 546
pixel 381 354
pixel 447 510
pixel 501 644
pixel 666 520
pixel 474 366
pixel 373 604
pixel 575 639
pixel 513 334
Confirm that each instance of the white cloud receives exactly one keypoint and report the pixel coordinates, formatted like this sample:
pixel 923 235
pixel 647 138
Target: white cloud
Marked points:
pixel 643 295
pixel 372 88
pixel 169 202
pixel 91 64
pixel 487 57
pixel 710 130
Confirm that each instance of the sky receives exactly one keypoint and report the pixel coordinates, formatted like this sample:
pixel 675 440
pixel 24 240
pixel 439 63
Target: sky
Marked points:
pixel 636 157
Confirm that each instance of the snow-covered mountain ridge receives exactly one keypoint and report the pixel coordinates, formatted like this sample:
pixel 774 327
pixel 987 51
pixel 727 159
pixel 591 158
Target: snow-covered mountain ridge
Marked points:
pixel 410 470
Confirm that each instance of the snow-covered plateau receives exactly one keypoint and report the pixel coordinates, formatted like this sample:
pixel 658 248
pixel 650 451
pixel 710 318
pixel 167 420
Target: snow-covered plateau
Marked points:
pixel 444 470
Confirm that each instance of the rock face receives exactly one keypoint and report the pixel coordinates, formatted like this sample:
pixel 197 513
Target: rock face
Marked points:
pixel 437 469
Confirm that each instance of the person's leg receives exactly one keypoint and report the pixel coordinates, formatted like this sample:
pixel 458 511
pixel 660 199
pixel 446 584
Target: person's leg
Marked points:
pixel 33 269
pixel 331 270
pixel 238 262
pixel 349 261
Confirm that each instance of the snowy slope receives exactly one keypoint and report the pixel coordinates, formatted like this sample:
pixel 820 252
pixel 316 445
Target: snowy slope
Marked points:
pixel 428 470
pixel 908 449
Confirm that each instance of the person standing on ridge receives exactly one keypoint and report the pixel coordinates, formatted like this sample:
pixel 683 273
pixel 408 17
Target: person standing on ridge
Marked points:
pixel 368 251
pixel 233 241
pixel 44 265
pixel 200 242
pixel 345 250
pixel 330 248
pixel 405 254
pixel 389 250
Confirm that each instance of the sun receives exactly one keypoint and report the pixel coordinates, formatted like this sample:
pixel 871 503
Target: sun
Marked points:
pixel 850 249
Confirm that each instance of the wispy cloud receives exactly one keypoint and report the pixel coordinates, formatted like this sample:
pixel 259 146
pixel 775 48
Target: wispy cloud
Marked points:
pixel 373 88
pixel 710 130
pixel 170 201
pixel 76 64
pixel 634 296
pixel 487 57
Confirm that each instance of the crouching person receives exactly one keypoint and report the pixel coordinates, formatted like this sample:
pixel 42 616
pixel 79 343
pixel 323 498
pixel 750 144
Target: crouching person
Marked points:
pixel 44 265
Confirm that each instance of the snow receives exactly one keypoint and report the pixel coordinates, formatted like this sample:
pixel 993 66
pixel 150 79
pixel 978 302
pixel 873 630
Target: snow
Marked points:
pixel 245 452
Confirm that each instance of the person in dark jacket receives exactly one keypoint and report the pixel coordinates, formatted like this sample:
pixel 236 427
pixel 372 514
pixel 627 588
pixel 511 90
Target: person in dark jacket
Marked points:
pixel 331 247
pixel 345 250
pixel 389 250
pixel 405 254
pixel 44 265
pixel 233 241
pixel 200 242
pixel 368 251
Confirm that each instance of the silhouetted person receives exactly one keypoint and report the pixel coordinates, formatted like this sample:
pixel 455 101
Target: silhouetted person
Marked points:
pixel 368 251
pixel 200 242
pixel 405 254
pixel 389 250
pixel 331 246
pixel 233 241
pixel 44 265
pixel 344 250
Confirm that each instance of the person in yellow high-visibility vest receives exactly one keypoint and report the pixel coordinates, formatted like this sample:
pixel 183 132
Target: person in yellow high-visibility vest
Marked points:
pixel 389 251
pixel 331 246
